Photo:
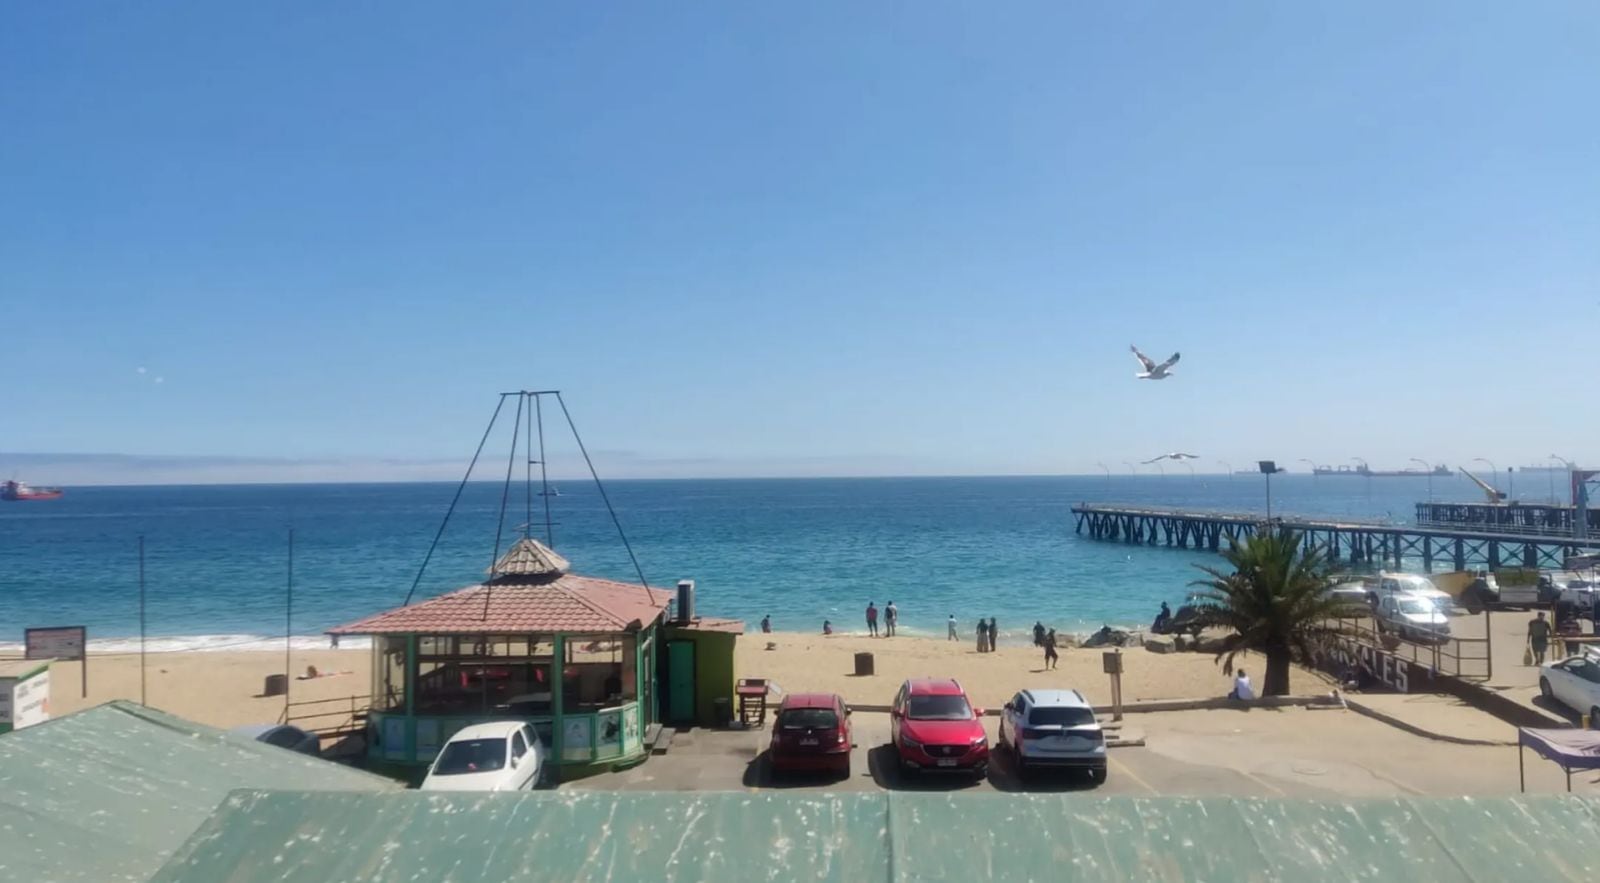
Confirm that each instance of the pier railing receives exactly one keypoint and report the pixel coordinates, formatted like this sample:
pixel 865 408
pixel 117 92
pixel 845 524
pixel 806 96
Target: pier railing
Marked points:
pixel 1359 542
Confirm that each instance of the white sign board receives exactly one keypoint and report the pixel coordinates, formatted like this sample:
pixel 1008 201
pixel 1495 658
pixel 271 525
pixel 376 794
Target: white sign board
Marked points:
pixel 67 642
pixel 30 701
pixel 25 699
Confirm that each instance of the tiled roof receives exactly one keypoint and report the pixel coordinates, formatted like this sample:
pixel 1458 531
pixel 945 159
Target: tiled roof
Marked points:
pixel 570 604
pixel 529 557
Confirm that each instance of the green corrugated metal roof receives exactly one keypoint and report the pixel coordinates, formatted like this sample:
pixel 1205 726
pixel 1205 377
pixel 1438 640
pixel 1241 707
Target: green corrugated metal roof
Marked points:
pixel 108 793
pixel 589 835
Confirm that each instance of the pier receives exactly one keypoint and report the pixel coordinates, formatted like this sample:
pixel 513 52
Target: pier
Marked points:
pixel 1353 541
pixel 1522 518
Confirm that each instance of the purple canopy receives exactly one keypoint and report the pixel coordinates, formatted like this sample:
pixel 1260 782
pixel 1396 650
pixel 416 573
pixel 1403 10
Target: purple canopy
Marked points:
pixel 1573 749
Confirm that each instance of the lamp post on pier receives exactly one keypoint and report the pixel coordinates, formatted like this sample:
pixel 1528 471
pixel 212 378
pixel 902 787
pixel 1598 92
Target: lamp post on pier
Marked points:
pixel 1428 468
pixel 1570 467
pixel 1311 463
pixel 1268 467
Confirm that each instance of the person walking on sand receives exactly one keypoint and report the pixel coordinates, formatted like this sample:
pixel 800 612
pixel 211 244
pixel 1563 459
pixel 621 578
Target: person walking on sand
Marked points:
pixel 1050 656
pixel 1038 633
pixel 983 636
pixel 872 619
pixel 952 626
pixel 1538 637
pixel 994 635
pixel 766 624
pixel 891 615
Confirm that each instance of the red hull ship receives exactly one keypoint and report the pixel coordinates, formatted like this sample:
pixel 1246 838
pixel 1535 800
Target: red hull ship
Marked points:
pixel 16 490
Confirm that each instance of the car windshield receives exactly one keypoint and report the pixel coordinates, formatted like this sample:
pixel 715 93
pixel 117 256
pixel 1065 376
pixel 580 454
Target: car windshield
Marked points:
pixel 471 756
pixel 938 708
pixel 1415 605
pixel 808 719
pixel 1060 717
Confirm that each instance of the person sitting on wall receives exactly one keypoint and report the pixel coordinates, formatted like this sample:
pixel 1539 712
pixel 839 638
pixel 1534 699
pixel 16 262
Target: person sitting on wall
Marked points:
pixel 1242 689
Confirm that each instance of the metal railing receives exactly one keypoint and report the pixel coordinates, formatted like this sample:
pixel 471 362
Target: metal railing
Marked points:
pixel 329 718
pixel 1454 656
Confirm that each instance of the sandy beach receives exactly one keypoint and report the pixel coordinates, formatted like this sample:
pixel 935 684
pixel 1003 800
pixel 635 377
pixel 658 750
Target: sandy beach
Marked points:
pixel 223 688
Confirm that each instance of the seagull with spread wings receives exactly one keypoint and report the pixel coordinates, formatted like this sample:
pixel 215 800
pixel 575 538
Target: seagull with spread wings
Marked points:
pixel 1152 371
pixel 1175 455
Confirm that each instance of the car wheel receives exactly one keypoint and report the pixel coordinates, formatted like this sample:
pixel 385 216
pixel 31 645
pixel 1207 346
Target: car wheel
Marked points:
pixel 1544 688
pixel 1594 718
pixel 1021 765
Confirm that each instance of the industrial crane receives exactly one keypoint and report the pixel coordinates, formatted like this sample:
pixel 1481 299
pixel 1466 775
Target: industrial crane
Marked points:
pixel 1488 489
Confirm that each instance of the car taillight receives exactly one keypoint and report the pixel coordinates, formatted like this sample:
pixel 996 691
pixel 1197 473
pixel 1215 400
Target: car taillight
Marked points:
pixel 840 733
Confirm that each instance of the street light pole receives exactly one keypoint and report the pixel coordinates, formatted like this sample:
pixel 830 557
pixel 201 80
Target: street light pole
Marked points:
pixel 1132 469
pixel 1494 470
pixel 1570 467
pixel 1310 463
pixel 1429 470
pixel 1228 467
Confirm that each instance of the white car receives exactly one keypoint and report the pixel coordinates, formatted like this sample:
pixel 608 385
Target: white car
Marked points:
pixel 1408 584
pixel 1053 728
pixel 498 756
pixel 1575 683
pixel 1413 618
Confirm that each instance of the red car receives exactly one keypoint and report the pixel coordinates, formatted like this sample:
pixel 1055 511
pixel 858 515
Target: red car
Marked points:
pixel 934 727
pixel 812 733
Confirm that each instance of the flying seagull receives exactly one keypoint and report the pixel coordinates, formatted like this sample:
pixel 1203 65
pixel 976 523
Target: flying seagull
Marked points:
pixel 1175 455
pixel 1152 371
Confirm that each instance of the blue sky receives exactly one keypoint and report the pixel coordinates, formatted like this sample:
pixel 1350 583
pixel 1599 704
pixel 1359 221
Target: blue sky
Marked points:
pixel 828 238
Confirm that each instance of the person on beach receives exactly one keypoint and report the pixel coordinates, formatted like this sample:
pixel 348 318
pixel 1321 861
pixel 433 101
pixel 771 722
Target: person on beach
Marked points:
pixel 1038 633
pixel 1538 637
pixel 994 635
pixel 952 627
pixel 1241 687
pixel 891 615
pixel 1050 656
pixel 827 626
pixel 872 619
pixel 766 624
pixel 983 636
pixel 1159 627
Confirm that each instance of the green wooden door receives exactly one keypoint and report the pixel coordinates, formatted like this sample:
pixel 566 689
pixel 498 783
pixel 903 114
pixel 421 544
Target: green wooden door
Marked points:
pixel 680 681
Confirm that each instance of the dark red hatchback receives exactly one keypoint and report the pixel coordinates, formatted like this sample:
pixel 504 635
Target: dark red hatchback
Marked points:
pixel 812 733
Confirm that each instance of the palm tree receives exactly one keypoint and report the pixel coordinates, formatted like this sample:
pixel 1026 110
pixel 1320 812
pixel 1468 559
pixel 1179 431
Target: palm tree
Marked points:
pixel 1275 601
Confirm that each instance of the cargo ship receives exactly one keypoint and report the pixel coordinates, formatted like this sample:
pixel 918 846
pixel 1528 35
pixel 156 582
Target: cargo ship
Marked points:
pixel 1440 471
pixel 16 490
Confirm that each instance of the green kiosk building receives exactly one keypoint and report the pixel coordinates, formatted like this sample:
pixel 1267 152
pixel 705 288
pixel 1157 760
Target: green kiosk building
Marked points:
pixel 591 663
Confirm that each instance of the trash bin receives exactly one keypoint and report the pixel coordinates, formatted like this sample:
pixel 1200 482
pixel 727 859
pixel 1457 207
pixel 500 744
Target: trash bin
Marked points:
pixel 722 711
pixel 276 685
pixel 863 664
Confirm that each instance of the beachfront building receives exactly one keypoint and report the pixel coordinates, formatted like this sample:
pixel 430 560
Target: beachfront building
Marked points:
pixel 580 658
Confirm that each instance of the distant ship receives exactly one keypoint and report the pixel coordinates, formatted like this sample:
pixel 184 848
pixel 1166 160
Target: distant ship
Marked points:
pixel 16 490
pixel 1440 471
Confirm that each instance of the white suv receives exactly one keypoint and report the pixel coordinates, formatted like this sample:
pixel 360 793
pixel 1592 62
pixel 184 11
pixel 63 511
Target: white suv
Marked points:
pixel 1053 728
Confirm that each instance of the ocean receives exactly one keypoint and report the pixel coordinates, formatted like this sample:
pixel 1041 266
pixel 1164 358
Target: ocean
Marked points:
pixel 799 550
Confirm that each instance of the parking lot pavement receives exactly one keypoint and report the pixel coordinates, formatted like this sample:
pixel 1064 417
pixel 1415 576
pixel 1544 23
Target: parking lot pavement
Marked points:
pixel 1256 753
pixel 709 760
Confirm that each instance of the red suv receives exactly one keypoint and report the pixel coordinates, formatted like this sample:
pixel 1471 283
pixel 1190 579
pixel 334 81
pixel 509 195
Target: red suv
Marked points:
pixel 812 733
pixel 934 727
